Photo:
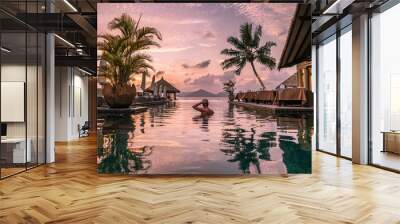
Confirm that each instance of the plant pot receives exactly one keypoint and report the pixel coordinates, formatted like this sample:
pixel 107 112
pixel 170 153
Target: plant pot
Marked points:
pixel 119 97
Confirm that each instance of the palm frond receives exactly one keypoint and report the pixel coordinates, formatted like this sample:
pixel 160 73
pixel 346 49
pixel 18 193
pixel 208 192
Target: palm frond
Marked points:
pixel 231 52
pixel 236 43
pixel 125 24
pixel 268 61
pixel 230 62
pixel 246 30
pixel 240 66
pixel 122 53
pixel 150 32
pixel 266 48
pixel 257 37
pixel 263 55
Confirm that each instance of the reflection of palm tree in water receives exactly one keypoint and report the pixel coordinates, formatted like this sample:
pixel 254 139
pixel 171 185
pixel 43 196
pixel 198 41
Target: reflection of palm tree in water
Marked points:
pixel 246 150
pixel 297 150
pixel 242 149
pixel 116 153
pixel 297 155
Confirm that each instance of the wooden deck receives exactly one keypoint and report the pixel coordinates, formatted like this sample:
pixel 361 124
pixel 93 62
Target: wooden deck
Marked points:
pixel 150 103
pixel 275 108
pixel 121 111
pixel 71 191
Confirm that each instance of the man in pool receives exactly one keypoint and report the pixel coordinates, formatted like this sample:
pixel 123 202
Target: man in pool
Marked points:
pixel 205 110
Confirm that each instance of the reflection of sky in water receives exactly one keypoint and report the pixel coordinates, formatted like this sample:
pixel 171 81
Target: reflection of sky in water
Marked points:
pixel 175 140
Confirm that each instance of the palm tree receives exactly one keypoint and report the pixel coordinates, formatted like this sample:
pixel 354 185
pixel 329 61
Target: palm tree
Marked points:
pixel 122 53
pixel 229 87
pixel 145 73
pixel 248 49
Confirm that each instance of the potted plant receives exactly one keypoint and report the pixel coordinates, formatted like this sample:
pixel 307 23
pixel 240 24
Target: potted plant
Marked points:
pixel 123 57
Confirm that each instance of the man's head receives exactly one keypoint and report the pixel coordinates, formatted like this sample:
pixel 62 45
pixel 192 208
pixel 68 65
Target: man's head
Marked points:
pixel 204 102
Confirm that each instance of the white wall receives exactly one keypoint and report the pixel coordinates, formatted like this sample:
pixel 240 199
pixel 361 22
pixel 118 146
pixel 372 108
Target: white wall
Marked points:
pixel 62 82
pixel 71 102
pixel 33 127
pixel 16 73
pixel 80 112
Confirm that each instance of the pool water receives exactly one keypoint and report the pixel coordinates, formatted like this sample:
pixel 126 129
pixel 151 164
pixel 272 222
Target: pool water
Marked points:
pixel 174 139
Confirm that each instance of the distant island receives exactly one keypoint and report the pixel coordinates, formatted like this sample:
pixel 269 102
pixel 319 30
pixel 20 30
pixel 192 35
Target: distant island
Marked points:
pixel 202 93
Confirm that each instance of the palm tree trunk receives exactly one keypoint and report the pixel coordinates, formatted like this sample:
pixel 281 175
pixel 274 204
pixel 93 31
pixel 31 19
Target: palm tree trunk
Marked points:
pixel 256 74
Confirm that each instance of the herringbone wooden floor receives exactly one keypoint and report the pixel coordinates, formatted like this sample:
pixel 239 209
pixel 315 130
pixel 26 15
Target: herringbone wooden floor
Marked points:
pixel 70 191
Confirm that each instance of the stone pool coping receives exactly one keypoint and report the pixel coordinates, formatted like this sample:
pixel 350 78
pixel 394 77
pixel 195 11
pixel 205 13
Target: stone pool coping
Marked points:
pixel 276 108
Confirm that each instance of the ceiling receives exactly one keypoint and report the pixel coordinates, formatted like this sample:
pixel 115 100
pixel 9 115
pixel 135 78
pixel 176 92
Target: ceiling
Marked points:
pixel 74 22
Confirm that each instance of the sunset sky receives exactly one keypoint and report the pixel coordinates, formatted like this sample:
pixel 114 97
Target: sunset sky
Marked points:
pixel 194 35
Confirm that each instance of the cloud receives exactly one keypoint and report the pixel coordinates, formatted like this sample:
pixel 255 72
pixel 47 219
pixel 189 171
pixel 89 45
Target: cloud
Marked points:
pixel 209 35
pixel 277 77
pixel 249 85
pixel 203 81
pixel 254 85
pixel 270 16
pixel 187 80
pixel 191 21
pixel 211 82
pixel 271 79
pixel 201 65
pixel 206 45
pixel 229 75
pixel 169 49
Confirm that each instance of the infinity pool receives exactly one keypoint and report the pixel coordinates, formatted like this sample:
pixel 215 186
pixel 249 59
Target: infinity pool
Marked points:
pixel 174 139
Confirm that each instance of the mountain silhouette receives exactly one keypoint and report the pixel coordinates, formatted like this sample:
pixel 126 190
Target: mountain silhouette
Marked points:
pixel 202 93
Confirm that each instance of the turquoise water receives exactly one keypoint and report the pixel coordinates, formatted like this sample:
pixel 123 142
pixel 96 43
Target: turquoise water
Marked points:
pixel 174 139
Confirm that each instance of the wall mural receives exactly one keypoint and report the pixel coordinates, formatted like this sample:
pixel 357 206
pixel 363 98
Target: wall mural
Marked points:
pixel 197 88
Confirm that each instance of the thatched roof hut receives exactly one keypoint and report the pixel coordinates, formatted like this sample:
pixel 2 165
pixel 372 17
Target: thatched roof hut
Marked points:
pixel 290 82
pixel 161 83
pixel 163 88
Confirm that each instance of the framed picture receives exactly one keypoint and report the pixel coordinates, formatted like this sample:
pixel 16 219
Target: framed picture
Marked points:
pixel 203 89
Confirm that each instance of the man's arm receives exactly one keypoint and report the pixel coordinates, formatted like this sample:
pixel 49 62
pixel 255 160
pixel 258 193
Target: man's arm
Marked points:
pixel 196 107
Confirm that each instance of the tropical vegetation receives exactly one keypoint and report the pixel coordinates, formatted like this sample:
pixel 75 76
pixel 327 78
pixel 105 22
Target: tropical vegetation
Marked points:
pixel 123 57
pixel 229 87
pixel 248 49
pixel 114 153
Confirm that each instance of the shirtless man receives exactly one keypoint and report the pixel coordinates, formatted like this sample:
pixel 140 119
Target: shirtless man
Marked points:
pixel 205 110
